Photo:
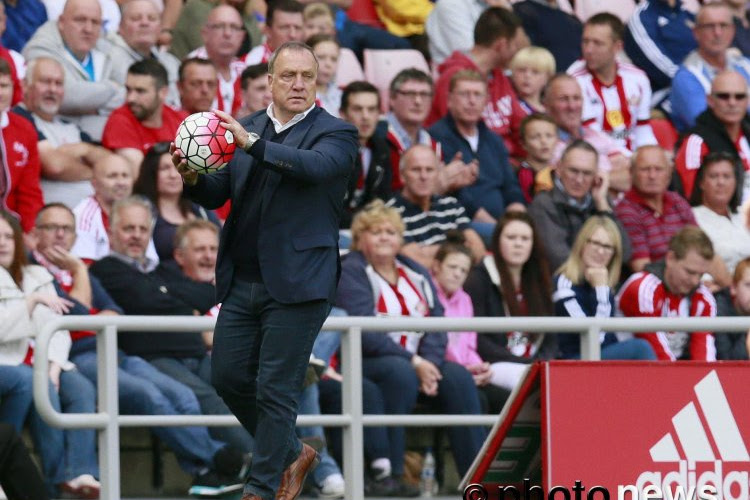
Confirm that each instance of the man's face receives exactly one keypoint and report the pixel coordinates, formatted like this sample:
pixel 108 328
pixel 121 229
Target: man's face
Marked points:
pixel 197 258
pixel 6 92
pixel 293 83
pixel 577 171
pixel 714 30
pixel 132 232
pixel 599 47
pixel 80 24
pixel 411 103
pixel 140 24
pixel 683 275
pixel 420 173
pixel 198 87
pixel 257 95
pixel 741 293
pixel 728 98
pixel 287 27
pixel 467 101
pixel 565 103
pixel 223 32
pixel 651 172
pixel 56 227
pixel 44 94
pixel 112 180
pixel 142 96
pixel 362 112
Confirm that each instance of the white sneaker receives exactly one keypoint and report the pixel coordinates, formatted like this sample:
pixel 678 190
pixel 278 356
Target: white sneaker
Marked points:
pixel 332 487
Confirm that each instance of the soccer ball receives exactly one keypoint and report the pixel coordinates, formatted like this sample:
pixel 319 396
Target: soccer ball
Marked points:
pixel 204 143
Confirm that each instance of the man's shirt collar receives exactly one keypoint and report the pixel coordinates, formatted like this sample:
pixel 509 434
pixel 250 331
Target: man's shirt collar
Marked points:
pixel 278 126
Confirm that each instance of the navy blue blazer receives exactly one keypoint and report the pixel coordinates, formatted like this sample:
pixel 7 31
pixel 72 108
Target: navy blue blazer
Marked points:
pixel 301 206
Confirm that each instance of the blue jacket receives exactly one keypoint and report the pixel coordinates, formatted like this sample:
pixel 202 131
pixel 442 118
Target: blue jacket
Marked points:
pixel 497 184
pixel 301 206
pixel 658 38
pixel 355 295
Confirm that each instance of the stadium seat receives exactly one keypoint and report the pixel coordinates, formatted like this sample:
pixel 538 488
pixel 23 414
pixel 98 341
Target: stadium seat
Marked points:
pixel 666 134
pixel 349 68
pixel 382 65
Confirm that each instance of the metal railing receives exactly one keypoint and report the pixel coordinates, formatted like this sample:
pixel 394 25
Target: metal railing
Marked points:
pixel 108 420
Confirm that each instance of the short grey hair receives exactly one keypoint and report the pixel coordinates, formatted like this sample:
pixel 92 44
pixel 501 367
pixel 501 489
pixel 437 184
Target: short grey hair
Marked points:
pixel 135 200
pixel 293 46
pixel 31 66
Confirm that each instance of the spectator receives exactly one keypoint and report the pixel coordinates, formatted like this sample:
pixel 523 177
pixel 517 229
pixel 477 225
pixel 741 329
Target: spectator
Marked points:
pixel 538 138
pixel 513 281
pixel 551 27
pixel 186 38
pixel 650 213
pixel 360 106
pixel 463 132
pixel 256 93
pixel 24 18
pixel 14 59
pixel 450 25
pixel 112 181
pixel 741 15
pixel 110 13
pixel 579 192
pixel 658 37
pixel 284 23
pixel 734 302
pixel 222 36
pixel 498 35
pixel 318 20
pixel 326 50
pixel 66 153
pixel 449 271
pixel 376 281
pixel 563 101
pixel 617 96
pixel 531 68
pixel 406 18
pixel 672 288
pixel 426 215
pixel 584 287
pixel 137 40
pixel 91 91
pixel 19 179
pixel 144 120
pixel 723 127
pixel 29 302
pixel 160 182
pixel 197 85
pixel 714 30
pixel 715 201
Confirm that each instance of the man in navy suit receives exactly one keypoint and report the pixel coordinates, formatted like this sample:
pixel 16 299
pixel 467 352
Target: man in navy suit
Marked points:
pixel 278 261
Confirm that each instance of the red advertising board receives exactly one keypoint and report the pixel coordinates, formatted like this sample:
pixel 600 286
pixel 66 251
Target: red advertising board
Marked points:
pixel 631 426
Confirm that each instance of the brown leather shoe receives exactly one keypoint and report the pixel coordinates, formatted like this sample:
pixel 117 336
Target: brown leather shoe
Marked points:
pixel 294 476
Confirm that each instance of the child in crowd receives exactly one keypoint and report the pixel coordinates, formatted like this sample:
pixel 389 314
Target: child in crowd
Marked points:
pixel 318 19
pixel 327 50
pixel 539 139
pixel 531 68
pixel 451 267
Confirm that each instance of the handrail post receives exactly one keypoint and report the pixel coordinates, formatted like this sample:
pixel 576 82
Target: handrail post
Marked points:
pixel 109 437
pixel 590 345
pixel 351 395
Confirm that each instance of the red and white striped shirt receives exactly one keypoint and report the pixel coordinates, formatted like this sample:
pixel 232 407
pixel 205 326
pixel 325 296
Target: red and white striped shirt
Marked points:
pixel 401 299
pixel 621 109
pixel 645 295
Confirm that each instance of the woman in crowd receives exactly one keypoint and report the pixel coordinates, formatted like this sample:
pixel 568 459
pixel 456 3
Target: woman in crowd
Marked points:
pixel 376 281
pixel 160 182
pixel 715 199
pixel 28 301
pixel 449 272
pixel 513 281
pixel 584 288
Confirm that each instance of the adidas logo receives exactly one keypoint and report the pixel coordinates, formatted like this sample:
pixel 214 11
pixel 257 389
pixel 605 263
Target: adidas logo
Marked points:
pixel 716 441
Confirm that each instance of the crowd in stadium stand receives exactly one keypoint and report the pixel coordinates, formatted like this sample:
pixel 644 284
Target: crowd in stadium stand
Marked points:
pixel 517 158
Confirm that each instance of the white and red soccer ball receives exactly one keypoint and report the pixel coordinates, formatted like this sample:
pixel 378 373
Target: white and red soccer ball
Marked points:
pixel 204 143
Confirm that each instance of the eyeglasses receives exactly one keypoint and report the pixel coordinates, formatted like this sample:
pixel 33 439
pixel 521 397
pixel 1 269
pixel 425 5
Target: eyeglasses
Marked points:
pixel 725 96
pixel 413 94
pixel 604 247
pixel 234 28
pixel 53 228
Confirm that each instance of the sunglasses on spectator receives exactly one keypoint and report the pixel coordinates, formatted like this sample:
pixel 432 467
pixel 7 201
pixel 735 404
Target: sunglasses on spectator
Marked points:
pixel 725 96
